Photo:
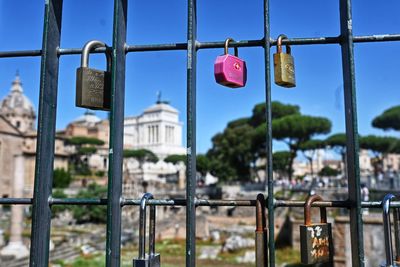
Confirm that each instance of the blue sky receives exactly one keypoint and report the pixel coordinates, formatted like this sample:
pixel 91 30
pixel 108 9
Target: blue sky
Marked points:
pixel 318 67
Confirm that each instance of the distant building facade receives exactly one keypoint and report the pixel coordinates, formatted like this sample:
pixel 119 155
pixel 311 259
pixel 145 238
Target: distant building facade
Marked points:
pixel 18 138
pixel 157 129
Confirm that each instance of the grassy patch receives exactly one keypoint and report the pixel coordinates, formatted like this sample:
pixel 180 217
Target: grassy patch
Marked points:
pixel 173 255
pixel 288 256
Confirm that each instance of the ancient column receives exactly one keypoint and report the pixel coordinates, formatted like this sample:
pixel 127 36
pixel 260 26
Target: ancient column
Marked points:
pixel 16 247
pixel 181 176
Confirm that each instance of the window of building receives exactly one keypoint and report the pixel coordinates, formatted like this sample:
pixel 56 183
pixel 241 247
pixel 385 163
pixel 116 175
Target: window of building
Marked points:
pixel 18 124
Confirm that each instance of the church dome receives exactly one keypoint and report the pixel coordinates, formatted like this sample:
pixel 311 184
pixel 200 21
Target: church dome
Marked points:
pixel 16 103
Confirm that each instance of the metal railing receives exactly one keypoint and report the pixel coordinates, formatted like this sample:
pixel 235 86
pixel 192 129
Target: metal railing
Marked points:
pixel 50 53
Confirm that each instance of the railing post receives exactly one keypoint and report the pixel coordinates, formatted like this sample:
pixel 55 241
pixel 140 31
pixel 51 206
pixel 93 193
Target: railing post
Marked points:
pixel 114 207
pixel 41 212
pixel 191 136
pixel 352 148
pixel 268 147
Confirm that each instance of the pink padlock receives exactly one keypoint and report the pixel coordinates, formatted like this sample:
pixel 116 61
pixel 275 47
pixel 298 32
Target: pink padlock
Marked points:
pixel 230 70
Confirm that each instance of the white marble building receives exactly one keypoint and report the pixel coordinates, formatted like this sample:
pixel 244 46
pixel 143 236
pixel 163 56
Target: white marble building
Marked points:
pixel 157 129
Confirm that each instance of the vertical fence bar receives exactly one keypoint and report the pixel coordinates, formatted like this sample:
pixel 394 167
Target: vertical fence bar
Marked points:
pixel 353 171
pixel 113 245
pixel 268 120
pixel 41 212
pixel 191 136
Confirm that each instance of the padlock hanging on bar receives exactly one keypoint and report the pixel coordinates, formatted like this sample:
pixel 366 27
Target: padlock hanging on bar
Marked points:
pixel 152 259
pixel 93 87
pixel 284 72
pixel 229 70
pixel 391 261
pixel 316 242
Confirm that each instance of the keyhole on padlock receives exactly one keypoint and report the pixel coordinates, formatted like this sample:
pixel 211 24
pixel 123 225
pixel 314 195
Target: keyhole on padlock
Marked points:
pixel 236 66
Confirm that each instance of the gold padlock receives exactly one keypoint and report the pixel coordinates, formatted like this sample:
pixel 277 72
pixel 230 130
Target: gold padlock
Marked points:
pixel 284 65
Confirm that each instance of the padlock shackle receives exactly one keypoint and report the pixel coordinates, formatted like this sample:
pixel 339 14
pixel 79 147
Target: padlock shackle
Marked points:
pixel 307 209
pixel 142 225
pixel 261 233
pixel 387 230
pixel 279 45
pixel 152 231
pixel 227 41
pixel 89 47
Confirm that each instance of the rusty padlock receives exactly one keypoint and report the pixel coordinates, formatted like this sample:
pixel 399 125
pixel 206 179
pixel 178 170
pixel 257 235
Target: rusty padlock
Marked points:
pixel 315 238
pixel 396 218
pixel 229 70
pixel 261 233
pixel 284 65
pixel 93 87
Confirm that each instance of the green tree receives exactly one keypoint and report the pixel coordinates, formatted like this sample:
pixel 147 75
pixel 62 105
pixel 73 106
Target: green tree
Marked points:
pixel 380 146
pixel 231 154
pixel 309 148
pixel 328 171
pixel 174 159
pixel 57 209
pixel 236 150
pixel 141 155
pixel 280 163
pixel 294 130
pixel 83 140
pixel 84 147
pixel 388 120
pixel 203 164
pixel 61 178
pixel 278 110
pixel 92 213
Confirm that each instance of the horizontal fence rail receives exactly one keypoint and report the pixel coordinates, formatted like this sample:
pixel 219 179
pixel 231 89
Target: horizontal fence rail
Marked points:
pixel 198 202
pixel 211 45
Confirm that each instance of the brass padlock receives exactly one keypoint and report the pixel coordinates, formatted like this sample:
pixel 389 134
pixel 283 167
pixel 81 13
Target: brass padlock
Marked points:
pixel 284 65
pixel 315 238
pixel 93 87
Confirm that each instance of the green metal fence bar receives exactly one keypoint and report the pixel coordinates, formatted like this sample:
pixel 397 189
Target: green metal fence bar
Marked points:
pixel 50 53
pixel 113 243
pixel 211 45
pixel 268 119
pixel 41 213
pixel 191 135
pixel 352 146
pixel 346 204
